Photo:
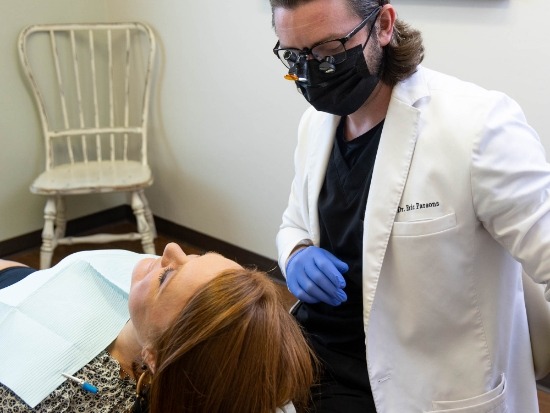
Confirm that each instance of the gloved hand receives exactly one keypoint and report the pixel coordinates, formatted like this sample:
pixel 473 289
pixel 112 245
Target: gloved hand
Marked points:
pixel 314 274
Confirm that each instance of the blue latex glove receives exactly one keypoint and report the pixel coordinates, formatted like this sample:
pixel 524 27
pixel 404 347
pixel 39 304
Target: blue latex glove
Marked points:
pixel 314 274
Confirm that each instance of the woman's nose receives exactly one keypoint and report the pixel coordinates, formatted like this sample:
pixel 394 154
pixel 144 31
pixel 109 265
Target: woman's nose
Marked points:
pixel 173 254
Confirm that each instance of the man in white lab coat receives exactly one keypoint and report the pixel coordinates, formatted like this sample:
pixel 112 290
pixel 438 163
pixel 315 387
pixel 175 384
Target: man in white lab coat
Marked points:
pixel 417 201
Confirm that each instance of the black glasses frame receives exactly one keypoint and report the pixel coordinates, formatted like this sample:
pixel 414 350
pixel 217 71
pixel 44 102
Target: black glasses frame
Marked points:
pixel 296 55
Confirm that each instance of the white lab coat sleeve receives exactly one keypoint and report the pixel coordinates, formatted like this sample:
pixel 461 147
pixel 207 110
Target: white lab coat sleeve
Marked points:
pixel 511 187
pixel 295 227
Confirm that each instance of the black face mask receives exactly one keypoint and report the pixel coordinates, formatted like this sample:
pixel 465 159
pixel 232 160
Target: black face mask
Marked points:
pixel 343 91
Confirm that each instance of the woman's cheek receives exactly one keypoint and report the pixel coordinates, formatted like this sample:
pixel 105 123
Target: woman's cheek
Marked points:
pixel 142 268
pixel 136 301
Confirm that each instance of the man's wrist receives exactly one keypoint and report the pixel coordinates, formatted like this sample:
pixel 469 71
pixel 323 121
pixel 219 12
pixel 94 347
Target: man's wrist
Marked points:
pixel 298 247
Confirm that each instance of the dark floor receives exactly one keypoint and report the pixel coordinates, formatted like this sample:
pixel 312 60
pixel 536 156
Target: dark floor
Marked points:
pixel 544 402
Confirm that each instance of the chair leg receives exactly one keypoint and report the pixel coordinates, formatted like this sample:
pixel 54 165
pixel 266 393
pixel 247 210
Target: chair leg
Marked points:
pixel 48 234
pixel 142 224
pixel 148 214
pixel 60 218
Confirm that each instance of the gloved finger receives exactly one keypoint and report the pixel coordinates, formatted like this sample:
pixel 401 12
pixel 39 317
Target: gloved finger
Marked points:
pixel 310 293
pixel 329 294
pixel 339 264
pixel 322 270
pixel 317 282
pixel 300 293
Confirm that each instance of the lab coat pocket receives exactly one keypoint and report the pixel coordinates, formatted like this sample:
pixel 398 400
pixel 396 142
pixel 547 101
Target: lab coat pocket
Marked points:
pixel 491 402
pixel 424 227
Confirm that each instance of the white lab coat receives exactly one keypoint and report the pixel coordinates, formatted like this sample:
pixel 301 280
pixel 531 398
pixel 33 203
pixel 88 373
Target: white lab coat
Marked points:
pixel 459 198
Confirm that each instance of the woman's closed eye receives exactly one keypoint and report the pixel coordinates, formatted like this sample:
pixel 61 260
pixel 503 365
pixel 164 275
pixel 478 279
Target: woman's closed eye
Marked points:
pixel 164 274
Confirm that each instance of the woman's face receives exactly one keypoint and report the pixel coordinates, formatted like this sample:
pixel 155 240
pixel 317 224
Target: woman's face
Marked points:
pixel 161 287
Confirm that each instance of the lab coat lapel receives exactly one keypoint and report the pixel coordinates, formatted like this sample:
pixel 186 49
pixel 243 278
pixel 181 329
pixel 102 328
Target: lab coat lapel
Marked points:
pixel 391 168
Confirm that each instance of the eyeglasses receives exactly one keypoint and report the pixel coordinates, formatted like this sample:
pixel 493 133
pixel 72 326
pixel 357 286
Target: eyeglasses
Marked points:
pixel 331 51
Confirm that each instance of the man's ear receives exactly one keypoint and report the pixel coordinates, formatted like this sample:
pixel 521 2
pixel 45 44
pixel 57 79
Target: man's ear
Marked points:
pixel 387 21
pixel 149 358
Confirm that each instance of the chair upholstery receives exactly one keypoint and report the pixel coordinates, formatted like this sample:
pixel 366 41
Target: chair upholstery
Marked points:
pixel 91 84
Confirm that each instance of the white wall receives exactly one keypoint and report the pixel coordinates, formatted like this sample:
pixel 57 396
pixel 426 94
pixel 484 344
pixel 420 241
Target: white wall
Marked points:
pixel 225 120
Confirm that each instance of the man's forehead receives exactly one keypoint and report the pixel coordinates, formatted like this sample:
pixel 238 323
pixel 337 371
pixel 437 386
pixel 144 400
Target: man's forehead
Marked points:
pixel 300 18
pixel 310 23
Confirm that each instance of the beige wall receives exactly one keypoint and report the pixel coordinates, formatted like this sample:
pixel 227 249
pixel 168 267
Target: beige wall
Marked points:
pixel 498 44
pixel 21 150
pixel 225 121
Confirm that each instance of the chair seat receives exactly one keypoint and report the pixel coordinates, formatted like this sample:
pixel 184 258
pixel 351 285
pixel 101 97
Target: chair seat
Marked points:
pixel 90 177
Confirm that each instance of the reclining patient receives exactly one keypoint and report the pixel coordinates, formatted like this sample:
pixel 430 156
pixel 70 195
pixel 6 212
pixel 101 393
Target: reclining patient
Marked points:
pixel 198 333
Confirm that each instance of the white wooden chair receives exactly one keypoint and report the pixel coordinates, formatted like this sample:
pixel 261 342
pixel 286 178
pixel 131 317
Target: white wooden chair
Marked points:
pixel 91 83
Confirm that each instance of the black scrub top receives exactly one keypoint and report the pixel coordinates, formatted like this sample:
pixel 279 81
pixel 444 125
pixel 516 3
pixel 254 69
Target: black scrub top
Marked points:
pixel 337 333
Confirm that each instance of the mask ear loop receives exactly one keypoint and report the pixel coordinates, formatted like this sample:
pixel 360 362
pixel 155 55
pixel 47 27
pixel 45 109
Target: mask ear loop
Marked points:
pixel 368 38
pixel 372 27
pixel 381 68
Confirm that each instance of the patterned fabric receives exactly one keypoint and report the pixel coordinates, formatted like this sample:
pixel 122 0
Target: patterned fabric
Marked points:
pixel 115 394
